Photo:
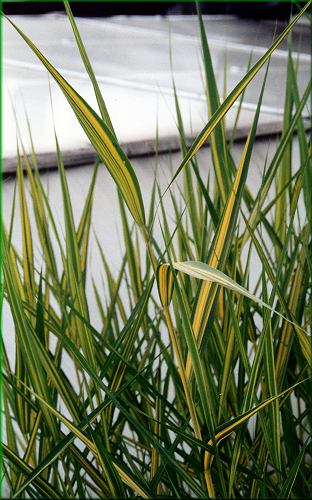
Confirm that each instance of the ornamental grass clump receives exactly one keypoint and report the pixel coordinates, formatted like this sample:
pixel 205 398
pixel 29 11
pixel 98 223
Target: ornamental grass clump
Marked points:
pixel 194 385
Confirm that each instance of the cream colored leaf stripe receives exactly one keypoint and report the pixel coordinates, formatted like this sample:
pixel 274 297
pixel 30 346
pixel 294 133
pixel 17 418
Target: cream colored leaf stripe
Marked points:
pixel 101 138
pixel 82 436
pixel 165 284
pixel 229 101
pixel 227 428
pixel 203 271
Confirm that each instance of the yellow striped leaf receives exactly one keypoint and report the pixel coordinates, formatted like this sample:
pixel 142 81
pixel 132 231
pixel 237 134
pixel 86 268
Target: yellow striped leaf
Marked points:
pixel 92 447
pixel 165 284
pixel 227 428
pixel 203 271
pixel 236 92
pixel 101 138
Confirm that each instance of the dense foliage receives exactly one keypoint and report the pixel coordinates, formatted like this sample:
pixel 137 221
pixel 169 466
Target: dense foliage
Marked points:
pixel 165 391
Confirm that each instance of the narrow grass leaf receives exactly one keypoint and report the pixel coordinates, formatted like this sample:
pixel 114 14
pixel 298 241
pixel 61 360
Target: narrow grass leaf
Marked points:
pixel 227 103
pixel 101 138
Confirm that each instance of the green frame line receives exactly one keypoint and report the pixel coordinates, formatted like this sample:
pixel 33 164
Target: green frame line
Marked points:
pixel 148 1
pixel 1 274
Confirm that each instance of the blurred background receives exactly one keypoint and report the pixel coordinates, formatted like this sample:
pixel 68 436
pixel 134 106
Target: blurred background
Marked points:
pixel 263 10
